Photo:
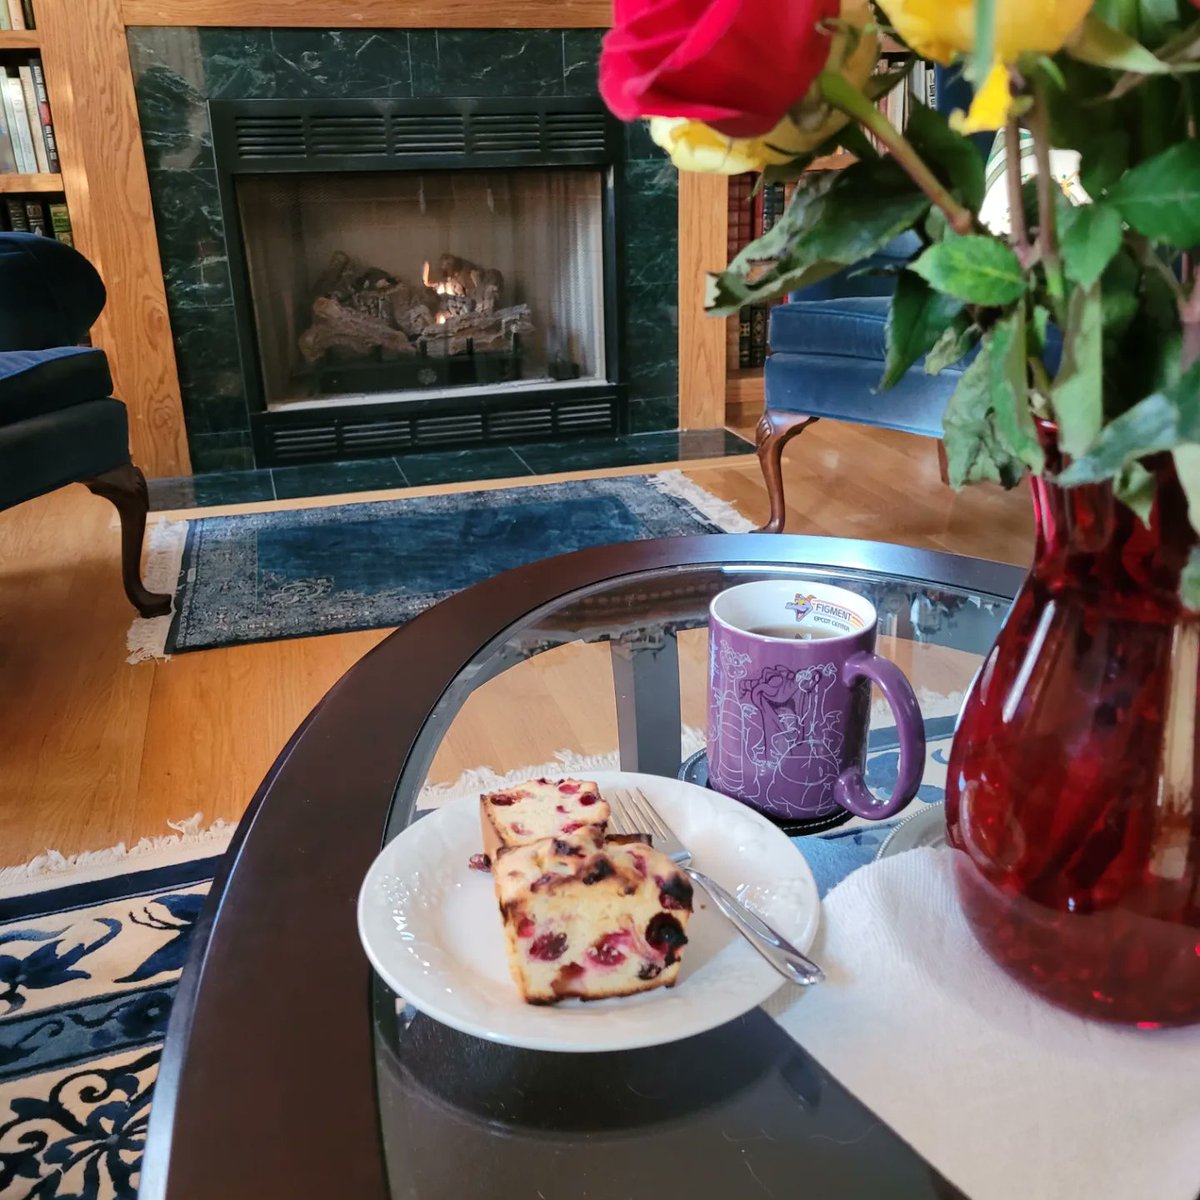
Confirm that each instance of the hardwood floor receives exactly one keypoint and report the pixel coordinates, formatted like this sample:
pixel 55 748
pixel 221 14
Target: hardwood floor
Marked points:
pixel 96 751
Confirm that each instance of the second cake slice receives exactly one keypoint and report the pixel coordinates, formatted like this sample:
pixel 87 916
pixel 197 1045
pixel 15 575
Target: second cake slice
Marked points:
pixel 539 808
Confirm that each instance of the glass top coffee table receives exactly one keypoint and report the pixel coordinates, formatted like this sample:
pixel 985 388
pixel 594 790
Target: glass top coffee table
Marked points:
pixel 290 1071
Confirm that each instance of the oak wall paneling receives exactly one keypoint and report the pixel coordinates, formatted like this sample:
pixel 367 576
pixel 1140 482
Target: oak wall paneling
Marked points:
pixel 90 83
pixel 703 247
pixel 379 14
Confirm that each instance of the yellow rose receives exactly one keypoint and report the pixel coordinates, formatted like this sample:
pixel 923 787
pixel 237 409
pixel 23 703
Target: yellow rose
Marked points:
pixel 694 146
pixel 942 29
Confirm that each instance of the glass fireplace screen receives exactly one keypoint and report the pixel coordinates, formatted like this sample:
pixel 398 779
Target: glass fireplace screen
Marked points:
pixel 381 284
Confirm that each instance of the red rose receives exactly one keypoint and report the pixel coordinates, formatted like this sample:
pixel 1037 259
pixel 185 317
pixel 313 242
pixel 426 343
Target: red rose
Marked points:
pixel 737 65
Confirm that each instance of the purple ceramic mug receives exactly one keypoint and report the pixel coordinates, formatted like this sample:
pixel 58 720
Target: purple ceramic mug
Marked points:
pixel 790 671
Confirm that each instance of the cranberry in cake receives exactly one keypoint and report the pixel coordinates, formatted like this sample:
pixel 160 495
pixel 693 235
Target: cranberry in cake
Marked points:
pixel 539 808
pixel 591 920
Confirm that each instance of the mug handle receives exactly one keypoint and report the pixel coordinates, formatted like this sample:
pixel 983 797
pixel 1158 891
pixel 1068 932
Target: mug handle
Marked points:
pixel 850 790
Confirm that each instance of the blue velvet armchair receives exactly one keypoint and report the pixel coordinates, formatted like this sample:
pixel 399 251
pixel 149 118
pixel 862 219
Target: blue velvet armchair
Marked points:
pixel 827 358
pixel 59 423
pixel 827 354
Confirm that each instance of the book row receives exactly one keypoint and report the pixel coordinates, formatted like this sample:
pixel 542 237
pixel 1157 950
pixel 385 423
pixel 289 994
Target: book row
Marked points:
pixel 34 214
pixel 27 142
pixel 753 211
pixel 16 14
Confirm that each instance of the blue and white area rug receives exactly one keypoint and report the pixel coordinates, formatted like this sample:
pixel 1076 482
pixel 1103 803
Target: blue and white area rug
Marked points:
pixel 267 576
pixel 91 953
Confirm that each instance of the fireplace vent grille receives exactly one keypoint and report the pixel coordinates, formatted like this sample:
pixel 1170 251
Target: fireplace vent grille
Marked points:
pixel 339 433
pixel 371 134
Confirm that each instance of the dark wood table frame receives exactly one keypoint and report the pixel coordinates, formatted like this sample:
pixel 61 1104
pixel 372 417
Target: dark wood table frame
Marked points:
pixel 266 1086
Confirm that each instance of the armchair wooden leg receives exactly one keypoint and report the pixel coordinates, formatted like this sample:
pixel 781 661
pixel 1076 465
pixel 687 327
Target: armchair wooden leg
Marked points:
pixel 775 430
pixel 125 486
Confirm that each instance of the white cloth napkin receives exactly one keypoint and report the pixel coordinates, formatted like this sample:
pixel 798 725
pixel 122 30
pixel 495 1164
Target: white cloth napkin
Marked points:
pixel 1007 1096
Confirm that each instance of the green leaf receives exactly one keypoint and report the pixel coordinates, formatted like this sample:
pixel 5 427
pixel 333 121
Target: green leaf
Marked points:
pixel 1090 236
pixel 1161 421
pixel 1105 159
pixel 1048 67
pixel 1135 487
pixel 1079 389
pixel 1155 19
pixel 974 451
pixel 1008 379
pixel 1100 44
pixel 918 317
pixel 979 270
pixel 954 159
pixel 1187 467
pixel 1189 581
pixel 1039 323
pixel 1161 197
pixel 832 222
pixel 956 342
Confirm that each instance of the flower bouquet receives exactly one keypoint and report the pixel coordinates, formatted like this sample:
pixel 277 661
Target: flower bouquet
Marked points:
pixel 1075 771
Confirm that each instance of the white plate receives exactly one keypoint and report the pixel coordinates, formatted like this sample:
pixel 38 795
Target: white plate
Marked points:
pixel 431 928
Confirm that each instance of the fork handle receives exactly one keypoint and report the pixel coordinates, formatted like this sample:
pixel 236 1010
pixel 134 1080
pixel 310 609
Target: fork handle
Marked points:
pixel 773 946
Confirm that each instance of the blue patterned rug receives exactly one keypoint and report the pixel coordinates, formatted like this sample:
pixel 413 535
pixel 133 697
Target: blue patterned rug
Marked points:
pixel 88 973
pixel 269 576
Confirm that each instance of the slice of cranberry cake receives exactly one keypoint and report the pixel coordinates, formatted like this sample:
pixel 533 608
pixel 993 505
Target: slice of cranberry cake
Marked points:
pixel 539 808
pixel 591 920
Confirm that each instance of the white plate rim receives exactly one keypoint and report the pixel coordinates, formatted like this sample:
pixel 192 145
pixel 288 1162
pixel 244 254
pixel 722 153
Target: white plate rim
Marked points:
pixel 761 980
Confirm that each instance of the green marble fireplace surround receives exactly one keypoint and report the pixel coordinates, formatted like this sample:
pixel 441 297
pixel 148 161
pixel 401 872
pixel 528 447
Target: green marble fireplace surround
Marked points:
pixel 177 70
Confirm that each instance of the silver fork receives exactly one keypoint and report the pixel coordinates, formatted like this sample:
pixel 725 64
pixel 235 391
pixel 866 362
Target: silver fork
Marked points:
pixel 633 813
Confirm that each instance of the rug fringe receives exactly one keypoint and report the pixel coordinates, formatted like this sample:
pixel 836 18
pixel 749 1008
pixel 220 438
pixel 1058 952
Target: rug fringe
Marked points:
pixel 719 512
pixel 147 636
pixel 566 762
pixel 48 870
pixel 569 762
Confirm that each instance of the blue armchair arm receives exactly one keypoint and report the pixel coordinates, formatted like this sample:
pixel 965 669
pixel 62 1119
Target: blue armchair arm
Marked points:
pixel 50 295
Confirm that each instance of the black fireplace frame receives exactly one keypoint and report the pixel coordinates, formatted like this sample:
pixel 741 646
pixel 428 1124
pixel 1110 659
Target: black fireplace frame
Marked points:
pixel 311 136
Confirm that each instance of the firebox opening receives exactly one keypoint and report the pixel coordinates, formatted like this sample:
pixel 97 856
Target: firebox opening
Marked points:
pixel 369 286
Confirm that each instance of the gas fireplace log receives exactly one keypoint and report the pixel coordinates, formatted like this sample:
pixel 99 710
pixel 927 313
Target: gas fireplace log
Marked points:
pixel 456 277
pixel 336 277
pixel 337 327
pixel 482 331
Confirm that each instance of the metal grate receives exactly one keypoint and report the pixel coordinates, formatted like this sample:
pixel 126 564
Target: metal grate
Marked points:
pixel 490 133
pixel 575 132
pixel 521 423
pixel 269 137
pixel 337 434
pixel 348 134
pixel 431 134
pixel 375 131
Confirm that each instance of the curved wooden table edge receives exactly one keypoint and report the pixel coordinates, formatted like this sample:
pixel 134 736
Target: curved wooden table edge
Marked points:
pixel 266 1085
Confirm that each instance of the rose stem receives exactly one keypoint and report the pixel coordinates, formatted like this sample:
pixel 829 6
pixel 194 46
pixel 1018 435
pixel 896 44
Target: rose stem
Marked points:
pixel 1016 206
pixel 844 95
pixel 1039 126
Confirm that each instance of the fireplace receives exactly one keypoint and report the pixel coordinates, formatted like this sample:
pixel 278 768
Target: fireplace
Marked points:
pixel 412 274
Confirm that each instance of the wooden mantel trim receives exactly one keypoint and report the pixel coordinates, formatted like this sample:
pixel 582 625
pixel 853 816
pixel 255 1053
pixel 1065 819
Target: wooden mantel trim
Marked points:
pixel 377 14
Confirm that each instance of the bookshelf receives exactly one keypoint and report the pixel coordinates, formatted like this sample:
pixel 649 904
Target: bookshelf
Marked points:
pixel 744 388
pixel 30 183
pixel 31 186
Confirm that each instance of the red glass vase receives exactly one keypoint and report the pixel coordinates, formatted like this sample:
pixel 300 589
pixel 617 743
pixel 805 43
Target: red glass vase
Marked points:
pixel 1075 770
